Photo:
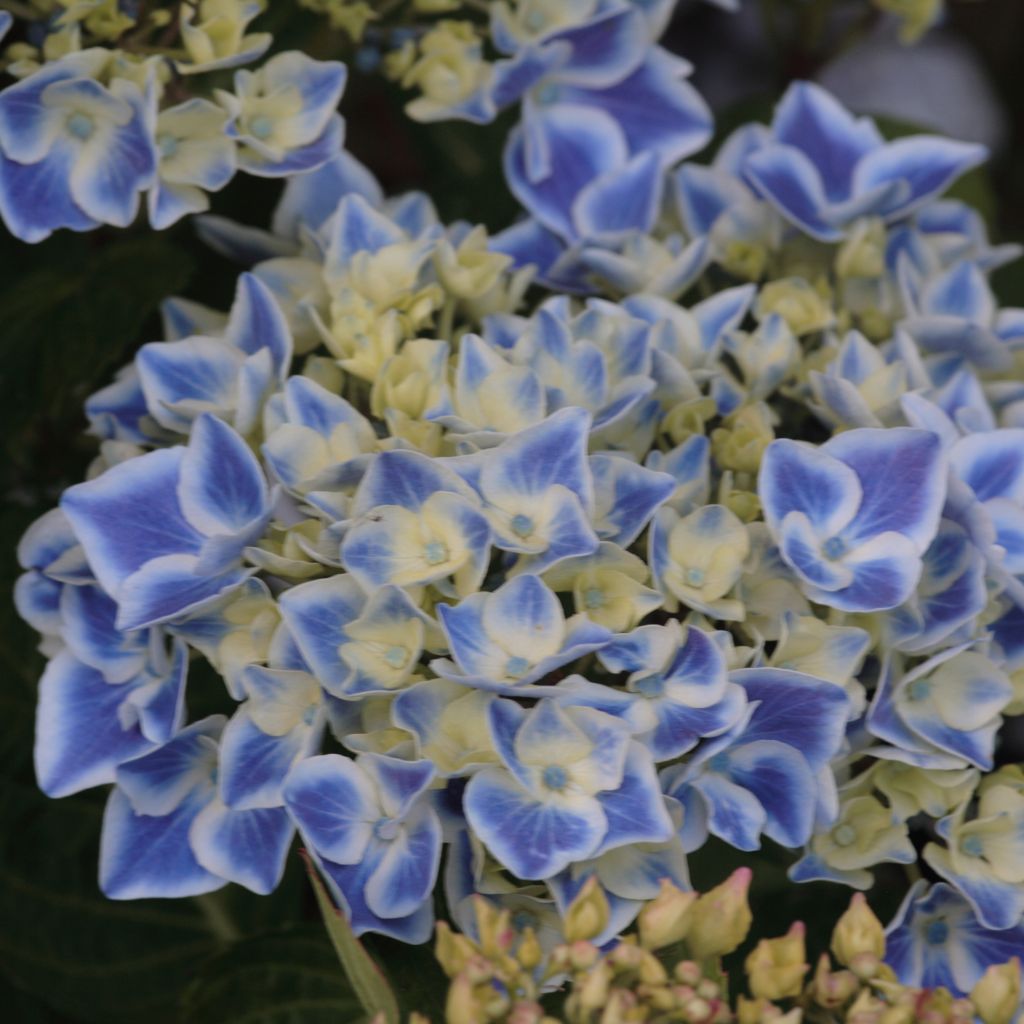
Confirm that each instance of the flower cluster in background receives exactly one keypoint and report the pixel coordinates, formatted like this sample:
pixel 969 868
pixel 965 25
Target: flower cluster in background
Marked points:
pixel 688 508
pixel 111 106
pixel 115 102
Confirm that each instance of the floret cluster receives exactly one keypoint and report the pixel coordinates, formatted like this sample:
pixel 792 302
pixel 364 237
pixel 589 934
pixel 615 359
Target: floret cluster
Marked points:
pixel 690 507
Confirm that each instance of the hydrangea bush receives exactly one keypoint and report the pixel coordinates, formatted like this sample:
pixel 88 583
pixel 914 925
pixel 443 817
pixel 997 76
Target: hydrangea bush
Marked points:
pixel 686 510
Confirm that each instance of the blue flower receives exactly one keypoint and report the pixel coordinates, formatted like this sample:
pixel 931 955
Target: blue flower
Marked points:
pixel 74 153
pixel 317 442
pixel 415 521
pixel 357 644
pixel 370 824
pixel 823 168
pixel 983 856
pixel 677 691
pixel 230 376
pixel 108 697
pixel 284 114
pixel 164 532
pixel 860 386
pixel 575 133
pixel 769 774
pixel 944 713
pixel 599 360
pixel 991 464
pixel 280 723
pixel 853 517
pixel 196 156
pixel 538 490
pixel 626 495
pixel 697 559
pixel 449 723
pixel 51 556
pixel 935 940
pixel 571 786
pixel 955 315
pixel 508 640
pixel 166 833
pixel 949 598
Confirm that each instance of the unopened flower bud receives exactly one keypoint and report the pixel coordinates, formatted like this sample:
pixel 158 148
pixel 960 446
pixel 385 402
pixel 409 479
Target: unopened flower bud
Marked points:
pixel 651 971
pixel 721 918
pixel 866 1009
pixel 626 956
pixel 798 302
pixel 583 955
pixel 688 972
pixel 697 1011
pixel 858 932
pixel 461 1006
pixel 587 915
pixel 453 951
pixel 996 996
pixel 529 953
pixel 776 967
pixel 832 988
pixel 708 989
pixel 592 993
pixel 617 1009
pixel 865 965
pixel 897 1015
pixel 666 919
pixel 526 1013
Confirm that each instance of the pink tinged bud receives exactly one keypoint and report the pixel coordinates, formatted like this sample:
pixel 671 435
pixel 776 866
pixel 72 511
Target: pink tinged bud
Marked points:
pixel 721 918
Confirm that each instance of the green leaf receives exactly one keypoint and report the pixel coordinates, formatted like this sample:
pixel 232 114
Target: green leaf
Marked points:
pixel 287 978
pixel 62 940
pixel 417 980
pixel 72 315
pixel 368 980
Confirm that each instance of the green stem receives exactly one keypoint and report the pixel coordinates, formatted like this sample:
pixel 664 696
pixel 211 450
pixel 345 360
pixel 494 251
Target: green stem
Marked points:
pixel 447 322
pixel 214 912
pixel 814 25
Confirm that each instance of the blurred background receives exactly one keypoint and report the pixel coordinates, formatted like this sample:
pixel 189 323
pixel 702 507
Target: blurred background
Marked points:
pixel 75 308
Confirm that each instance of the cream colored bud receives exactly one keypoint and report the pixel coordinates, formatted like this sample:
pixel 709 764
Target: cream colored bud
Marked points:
pixel 858 932
pixel 665 919
pixel 587 915
pixel 526 1013
pixel 461 1006
pixel 862 254
pixel 688 972
pixel 530 954
pixel 745 259
pixel 452 951
pixel 776 967
pixel 592 994
pixel 830 988
pixel 583 955
pixel 740 444
pixel 866 1009
pixel 996 996
pixel 698 1011
pixel 617 1010
pixel 721 918
pixel 798 302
